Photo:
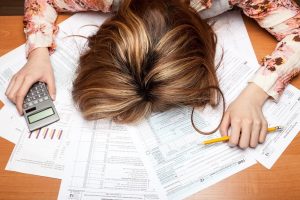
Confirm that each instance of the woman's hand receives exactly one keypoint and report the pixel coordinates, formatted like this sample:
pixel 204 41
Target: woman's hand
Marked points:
pixel 244 116
pixel 37 68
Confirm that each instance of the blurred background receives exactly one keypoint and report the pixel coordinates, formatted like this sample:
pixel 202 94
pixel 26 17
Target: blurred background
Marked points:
pixel 11 7
pixel 16 7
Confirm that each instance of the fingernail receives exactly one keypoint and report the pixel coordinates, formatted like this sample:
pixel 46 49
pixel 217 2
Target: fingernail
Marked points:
pixel 53 97
pixel 231 145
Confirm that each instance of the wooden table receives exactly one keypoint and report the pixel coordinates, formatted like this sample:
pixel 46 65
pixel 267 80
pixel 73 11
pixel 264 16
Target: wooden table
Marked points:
pixel 254 183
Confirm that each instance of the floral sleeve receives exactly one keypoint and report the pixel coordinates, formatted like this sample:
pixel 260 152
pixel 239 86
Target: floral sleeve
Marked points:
pixel 282 19
pixel 40 16
pixel 200 5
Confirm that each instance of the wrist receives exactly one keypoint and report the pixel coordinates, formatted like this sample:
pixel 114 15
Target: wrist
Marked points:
pixel 40 53
pixel 256 94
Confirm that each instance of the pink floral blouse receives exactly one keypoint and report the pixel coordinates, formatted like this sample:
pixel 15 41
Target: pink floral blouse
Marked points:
pixel 280 17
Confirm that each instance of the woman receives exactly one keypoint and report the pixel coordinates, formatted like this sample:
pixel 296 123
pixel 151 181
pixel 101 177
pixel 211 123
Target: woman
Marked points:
pixel 155 55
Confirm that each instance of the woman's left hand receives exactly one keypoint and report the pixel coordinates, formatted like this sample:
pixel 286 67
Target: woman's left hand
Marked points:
pixel 245 118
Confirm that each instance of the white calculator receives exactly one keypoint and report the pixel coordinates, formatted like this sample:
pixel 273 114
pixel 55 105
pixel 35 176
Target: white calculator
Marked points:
pixel 38 108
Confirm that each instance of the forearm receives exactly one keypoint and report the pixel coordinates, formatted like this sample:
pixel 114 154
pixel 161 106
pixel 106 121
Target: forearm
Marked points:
pixel 278 69
pixel 40 17
pixel 282 19
pixel 41 53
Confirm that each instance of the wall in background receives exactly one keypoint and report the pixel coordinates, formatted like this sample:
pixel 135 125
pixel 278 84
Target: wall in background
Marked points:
pixel 16 7
pixel 11 7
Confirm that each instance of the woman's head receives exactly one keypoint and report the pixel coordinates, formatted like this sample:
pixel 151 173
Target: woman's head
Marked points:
pixel 149 57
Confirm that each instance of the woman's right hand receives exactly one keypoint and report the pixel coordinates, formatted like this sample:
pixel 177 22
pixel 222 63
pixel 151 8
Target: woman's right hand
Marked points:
pixel 37 68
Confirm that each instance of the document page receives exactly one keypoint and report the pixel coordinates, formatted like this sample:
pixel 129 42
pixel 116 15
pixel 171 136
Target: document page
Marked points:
pixel 42 152
pixel 172 148
pixel 12 124
pixel 103 163
pixel 232 33
pixel 183 166
pixel 285 113
pixel 70 41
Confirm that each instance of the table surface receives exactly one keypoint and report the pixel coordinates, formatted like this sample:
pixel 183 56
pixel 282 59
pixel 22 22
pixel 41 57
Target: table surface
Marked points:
pixel 256 182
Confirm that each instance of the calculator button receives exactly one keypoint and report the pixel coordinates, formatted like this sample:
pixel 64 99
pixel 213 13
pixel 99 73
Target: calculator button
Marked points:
pixel 35 101
pixel 41 100
pixel 30 104
pixel 46 98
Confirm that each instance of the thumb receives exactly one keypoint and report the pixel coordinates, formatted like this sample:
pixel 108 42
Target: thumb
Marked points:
pixel 225 124
pixel 51 87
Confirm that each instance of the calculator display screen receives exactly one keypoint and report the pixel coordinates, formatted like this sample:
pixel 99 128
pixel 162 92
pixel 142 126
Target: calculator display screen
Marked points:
pixel 40 115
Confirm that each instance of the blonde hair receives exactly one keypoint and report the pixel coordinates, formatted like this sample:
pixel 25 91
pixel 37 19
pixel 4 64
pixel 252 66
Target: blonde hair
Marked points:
pixel 149 57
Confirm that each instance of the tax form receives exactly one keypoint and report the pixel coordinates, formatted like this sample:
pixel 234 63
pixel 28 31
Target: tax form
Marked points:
pixel 171 147
pixel 70 43
pixel 12 125
pixel 232 33
pixel 285 113
pixel 86 175
pixel 42 152
pixel 103 163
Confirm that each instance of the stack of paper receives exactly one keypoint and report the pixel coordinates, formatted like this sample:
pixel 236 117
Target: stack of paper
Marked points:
pixel 160 158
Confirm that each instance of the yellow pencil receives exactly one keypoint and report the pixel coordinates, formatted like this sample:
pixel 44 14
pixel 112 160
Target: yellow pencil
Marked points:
pixel 226 138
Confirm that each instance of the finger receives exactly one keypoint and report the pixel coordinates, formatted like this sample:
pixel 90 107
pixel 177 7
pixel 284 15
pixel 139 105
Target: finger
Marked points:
pixel 10 85
pixel 13 92
pixel 225 125
pixel 255 133
pixel 51 87
pixel 263 132
pixel 245 135
pixel 27 83
pixel 235 133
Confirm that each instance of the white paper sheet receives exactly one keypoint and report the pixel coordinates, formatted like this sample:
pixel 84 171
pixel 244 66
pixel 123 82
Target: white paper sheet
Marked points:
pixel 103 163
pixel 42 152
pixel 11 123
pixel 172 149
pixel 232 33
pixel 285 113
pixel 70 43
pixel 182 166
pixel 102 160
